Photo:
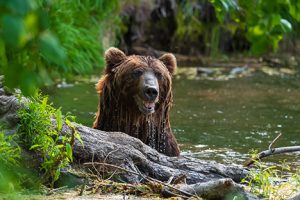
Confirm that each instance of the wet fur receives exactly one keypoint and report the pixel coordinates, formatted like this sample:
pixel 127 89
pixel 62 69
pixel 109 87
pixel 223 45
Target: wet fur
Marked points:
pixel 117 110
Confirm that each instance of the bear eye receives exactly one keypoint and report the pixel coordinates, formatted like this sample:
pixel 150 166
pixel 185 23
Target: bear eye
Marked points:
pixel 158 75
pixel 137 73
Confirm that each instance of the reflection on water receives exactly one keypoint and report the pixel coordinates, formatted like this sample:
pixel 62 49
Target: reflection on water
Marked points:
pixel 220 120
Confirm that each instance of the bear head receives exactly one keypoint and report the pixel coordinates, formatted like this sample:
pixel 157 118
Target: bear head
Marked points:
pixel 143 82
pixel 135 98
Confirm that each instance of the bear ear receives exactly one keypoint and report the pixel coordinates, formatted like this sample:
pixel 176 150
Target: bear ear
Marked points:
pixel 169 61
pixel 113 56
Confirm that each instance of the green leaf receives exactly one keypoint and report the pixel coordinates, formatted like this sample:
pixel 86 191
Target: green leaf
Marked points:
pixel 59 120
pixel 294 9
pixel 56 175
pixel 51 49
pixel 13 29
pixel 69 151
pixel 285 25
pixel 34 146
pixel 21 7
pixel 77 136
pixel 260 46
pixel 3 57
pixel 59 146
pixel 225 5
pixel 28 83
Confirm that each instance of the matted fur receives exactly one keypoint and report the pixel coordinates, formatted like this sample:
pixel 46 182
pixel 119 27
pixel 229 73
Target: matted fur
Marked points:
pixel 118 111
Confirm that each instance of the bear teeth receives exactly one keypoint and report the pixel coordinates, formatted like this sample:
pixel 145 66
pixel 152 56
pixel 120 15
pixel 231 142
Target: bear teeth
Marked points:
pixel 149 105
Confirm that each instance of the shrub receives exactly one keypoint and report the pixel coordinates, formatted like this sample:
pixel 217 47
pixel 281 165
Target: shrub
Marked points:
pixel 38 132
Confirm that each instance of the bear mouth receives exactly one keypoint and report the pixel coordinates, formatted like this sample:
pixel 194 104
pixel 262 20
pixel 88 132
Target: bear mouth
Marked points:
pixel 146 107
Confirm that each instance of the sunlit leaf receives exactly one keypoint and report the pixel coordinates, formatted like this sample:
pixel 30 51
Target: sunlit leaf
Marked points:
pixel 56 175
pixel 69 151
pixel 31 22
pixel 286 25
pixel 225 5
pixel 257 30
pixel 34 146
pixel 59 120
pixel 77 136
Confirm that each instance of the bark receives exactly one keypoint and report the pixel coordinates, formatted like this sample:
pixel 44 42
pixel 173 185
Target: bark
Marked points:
pixel 8 109
pixel 131 154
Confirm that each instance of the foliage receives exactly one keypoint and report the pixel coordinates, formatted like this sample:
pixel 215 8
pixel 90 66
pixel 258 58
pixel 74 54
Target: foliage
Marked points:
pixel 9 158
pixel 265 22
pixel 190 28
pixel 80 26
pixel 14 177
pixel 10 155
pixel 41 40
pixel 187 21
pixel 272 182
pixel 37 133
pixel 9 150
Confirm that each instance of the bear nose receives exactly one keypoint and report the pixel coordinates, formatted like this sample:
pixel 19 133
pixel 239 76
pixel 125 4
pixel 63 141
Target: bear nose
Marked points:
pixel 150 93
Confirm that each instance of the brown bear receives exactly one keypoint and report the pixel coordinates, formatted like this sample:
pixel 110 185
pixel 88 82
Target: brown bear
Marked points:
pixel 136 97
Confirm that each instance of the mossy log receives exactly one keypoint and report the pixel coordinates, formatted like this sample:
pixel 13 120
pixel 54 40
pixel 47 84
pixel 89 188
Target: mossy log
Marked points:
pixel 138 160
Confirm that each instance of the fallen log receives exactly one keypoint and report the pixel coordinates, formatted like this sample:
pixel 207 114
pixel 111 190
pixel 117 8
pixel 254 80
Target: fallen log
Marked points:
pixel 130 153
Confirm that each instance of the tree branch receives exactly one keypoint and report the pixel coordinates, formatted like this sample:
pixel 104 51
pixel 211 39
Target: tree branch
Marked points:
pixel 270 152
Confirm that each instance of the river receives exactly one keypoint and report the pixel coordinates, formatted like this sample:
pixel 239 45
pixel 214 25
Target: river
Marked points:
pixel 216 120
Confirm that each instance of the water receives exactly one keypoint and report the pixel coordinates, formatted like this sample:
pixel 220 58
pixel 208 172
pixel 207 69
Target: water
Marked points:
pixel 217 120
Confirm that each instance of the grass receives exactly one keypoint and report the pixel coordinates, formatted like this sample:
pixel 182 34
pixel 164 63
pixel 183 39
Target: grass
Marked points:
pixel 273 182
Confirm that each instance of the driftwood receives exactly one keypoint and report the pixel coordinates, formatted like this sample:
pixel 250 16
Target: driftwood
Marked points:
pixel 132 155
pixel 141 163
pixel 271 151
pixel 214 189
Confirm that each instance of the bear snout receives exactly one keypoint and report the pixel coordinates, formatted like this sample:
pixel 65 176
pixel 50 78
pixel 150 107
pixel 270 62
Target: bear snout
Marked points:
pixel 150 93
pixel 150 88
